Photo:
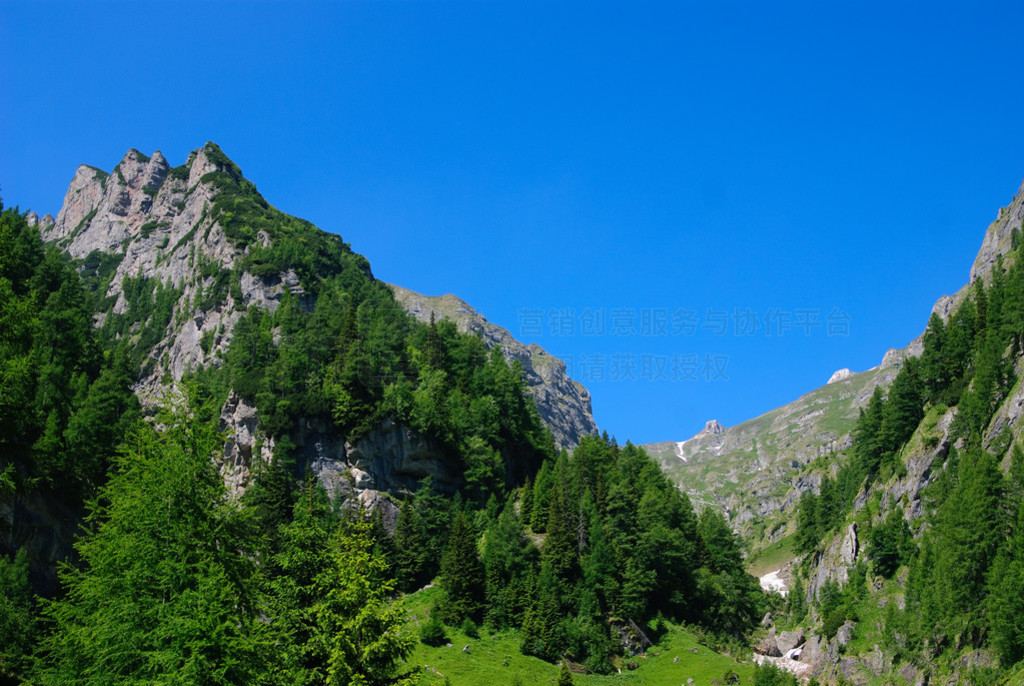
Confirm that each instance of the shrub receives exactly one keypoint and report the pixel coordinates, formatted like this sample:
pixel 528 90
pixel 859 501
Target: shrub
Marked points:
pixel 469 628
pixel 432 631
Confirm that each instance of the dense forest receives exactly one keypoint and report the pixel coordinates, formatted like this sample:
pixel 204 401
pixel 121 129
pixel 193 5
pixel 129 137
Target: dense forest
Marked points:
pixel 963 562
pixel 172 581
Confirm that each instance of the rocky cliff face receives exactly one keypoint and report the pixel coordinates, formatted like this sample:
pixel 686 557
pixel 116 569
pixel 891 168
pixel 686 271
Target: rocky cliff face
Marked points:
pixel 157 220
pixel 564 404
pixel 999 236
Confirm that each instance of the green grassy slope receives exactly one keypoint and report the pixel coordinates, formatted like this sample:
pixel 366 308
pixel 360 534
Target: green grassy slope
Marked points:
pixel 494 659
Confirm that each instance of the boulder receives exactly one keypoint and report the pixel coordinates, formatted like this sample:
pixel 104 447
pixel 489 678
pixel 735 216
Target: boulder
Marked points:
pixel 845 633
pixel 768 646
pixel 788 640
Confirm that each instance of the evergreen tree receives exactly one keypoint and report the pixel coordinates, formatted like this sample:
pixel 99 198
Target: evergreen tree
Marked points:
pixel 808 528
pixel 165 593
pixel 526 502
pixel 462 575
pixel 357 625
pixel 933 369
pixel 560 544
pixel 272 500
pixel 1006 596
pixel 541 635
pixel 329 601
pixel 796 600
pixel 541 495
pixel 890 542
pixel 18 621
pixel 867 446
pixel 723 553
pixel 901 413
pixel 598 564
pixel 507 559
pixel 964 541
pixel 412 550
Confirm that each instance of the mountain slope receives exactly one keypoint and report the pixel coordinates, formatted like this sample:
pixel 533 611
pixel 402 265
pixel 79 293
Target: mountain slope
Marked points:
pixel 748 469
pixel 902 542
pixel 564 404
pixel 756 470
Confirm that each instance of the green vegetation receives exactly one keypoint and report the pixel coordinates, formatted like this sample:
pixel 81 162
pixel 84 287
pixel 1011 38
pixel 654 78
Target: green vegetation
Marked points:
pixel 179 173
pixel 494 658
pixel 64 405
pixel 146 229
pixel 772 557
pixel 963 587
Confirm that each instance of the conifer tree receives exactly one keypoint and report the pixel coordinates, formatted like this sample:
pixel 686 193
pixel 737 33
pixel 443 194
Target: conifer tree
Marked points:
pixel 540 626
pixel 507 559
pixel 541 495
pixel 526 503
pixel 411 549
pixel 1006 596
pixel 560 549
pixel 462 575
pixel 165 592
pixel 964 541
pixel 18 621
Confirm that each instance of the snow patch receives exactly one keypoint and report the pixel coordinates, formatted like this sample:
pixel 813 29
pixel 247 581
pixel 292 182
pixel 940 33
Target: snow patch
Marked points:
pixel 798 669
pixel 679 450
pixel 772 582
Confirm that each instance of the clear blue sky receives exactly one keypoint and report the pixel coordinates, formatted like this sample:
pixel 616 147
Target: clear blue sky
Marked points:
pixel 576 158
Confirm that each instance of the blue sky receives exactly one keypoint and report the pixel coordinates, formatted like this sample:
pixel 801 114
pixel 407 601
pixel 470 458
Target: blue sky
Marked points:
pixel 678 164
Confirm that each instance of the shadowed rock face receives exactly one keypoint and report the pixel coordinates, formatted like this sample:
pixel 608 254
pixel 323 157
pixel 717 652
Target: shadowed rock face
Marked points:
pixel 564 404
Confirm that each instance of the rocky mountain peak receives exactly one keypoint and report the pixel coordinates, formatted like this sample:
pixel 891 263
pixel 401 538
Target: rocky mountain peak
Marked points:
pixel 999 236
pixel 839 375
pixel 45 222
pixel 712 427
pixel 159 222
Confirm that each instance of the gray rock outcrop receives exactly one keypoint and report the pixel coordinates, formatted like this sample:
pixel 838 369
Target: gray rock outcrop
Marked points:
pixel 839 375
pixel 789 640
pixel 999 237
pixel 159 224
pixel 834 564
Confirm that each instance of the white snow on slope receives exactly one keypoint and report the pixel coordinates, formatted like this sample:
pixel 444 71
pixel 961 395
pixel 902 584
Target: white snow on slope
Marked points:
pixel 773 582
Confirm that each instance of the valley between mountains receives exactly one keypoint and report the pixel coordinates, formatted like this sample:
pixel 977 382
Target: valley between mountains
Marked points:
pixel 230 454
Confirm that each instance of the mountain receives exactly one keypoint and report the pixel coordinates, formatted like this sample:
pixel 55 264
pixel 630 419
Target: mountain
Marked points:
pixel 889 503
pixel 757 470
pixel 191 275
pixel 246 448
pixel 203 231
pixel 752 470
